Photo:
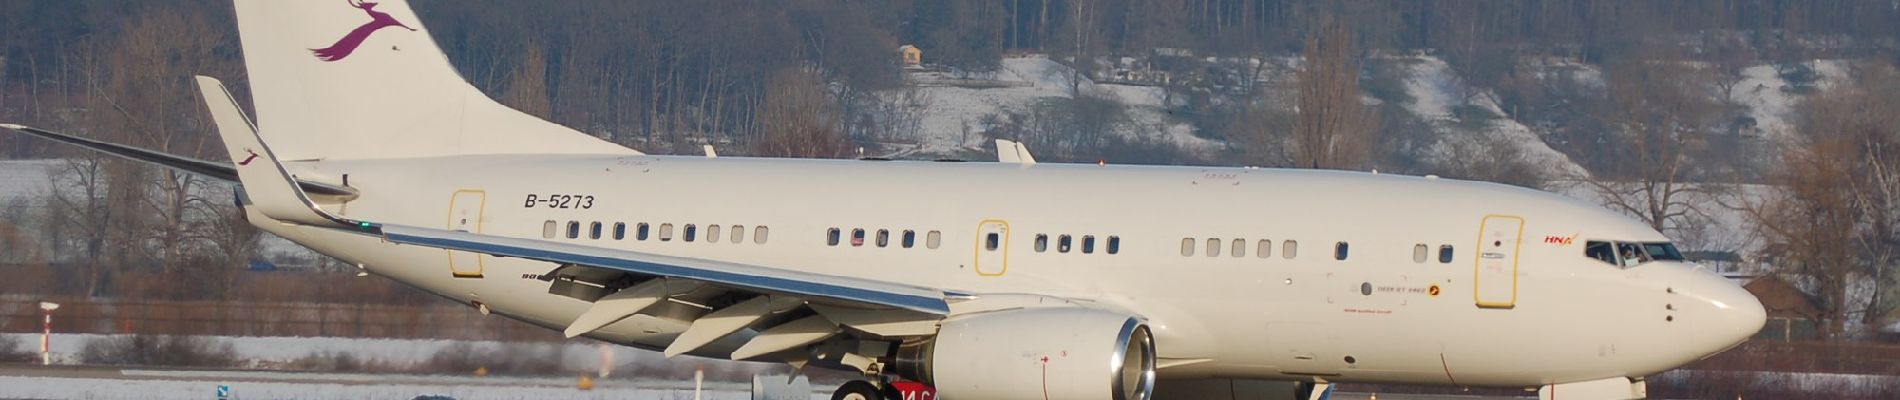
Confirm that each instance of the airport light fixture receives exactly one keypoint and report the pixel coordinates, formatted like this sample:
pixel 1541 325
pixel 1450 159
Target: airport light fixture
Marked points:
pixel 46 336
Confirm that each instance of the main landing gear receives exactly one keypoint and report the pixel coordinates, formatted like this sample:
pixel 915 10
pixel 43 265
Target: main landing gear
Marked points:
pixel 858 390
pixel 890 390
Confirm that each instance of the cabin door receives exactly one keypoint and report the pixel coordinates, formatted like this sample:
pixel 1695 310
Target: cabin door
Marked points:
pixel 465 215
pixel 992 248
pixel 1496 278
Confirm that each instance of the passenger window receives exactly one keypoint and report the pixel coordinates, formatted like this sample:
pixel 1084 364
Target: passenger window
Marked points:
pixel 712 233
pixel 573 230
pixel 910 238
pixel 1419 252
pixel 1240 248
pixel 857 237
pixel 1042 242
pixel 640 231
pixel 992 241
pixel 1289 249
pixel 1187 247
pixel 933 239
pixel 1264 249
pixel 1062 244
pixel 831 237
pixel 690 230
pixel 759 234
pixel 593 231
pixel 1088 244
pixel 738 234
pixel 1444 254
pixel 666 232
pixel 620 230
pixel 1114 244
pixel 1339 251
pixel 549 228
pixel 1213 247
pixel 883 237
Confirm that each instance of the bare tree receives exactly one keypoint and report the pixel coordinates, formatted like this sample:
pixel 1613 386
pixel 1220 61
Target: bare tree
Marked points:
pixel 1659 114
pixel 1833 224
pixel 1333 129
pixel 800 118
pixel 528 84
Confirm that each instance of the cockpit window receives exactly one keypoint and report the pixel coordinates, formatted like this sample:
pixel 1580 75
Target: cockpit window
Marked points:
pixel 1662 251
pixel 1602 251
pixel 1630 254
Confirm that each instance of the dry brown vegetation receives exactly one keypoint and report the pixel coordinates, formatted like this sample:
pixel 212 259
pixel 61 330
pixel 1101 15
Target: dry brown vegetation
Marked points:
pixel 1835 222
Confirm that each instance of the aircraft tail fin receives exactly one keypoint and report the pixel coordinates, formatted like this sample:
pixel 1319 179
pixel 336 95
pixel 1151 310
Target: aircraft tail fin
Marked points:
pixel 354 79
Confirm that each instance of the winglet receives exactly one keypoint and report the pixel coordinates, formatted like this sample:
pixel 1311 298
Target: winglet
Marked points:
pixel 269 187
pixel 1013 152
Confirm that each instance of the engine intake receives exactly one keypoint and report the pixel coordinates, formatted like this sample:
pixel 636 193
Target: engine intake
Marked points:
pixel 1054 353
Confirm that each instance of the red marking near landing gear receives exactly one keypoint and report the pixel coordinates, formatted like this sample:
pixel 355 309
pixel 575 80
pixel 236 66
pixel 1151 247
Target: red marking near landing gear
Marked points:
pixel 908 390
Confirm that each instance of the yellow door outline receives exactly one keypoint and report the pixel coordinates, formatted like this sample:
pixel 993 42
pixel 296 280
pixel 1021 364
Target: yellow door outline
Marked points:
pixel 1477 271
pixel 982 230
pixel 481 210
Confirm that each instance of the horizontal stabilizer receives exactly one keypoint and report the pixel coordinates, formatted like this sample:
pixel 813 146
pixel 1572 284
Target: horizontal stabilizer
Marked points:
pixel 209 169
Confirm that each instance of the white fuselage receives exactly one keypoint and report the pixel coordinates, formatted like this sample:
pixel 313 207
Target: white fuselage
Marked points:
pixel 1379 315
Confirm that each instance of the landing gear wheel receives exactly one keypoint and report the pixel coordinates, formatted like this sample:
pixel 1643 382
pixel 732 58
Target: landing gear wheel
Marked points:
pixel 857 390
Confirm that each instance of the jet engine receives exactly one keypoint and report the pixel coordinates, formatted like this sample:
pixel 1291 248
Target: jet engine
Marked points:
pixel 1053 353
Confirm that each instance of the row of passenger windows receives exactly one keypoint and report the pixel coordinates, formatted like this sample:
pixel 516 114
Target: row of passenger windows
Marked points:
pixel 1290 249
pixel 907 238
pixel 643 231
pixel 1263 248
pixel 1420 252
pixel 1064 242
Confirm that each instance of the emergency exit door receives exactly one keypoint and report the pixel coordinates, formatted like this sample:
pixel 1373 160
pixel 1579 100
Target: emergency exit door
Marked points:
pixel 465 215
pixel 1496 278
pixel 992 248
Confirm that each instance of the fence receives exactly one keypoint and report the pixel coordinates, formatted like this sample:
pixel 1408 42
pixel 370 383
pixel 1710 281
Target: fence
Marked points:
pixel 80 315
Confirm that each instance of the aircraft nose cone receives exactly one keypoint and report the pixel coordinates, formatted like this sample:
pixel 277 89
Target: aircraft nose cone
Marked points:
pixel 1739 313
pixel 1733 314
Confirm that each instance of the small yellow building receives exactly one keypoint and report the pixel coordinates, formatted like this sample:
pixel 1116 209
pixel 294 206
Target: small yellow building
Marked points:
pixel 910 56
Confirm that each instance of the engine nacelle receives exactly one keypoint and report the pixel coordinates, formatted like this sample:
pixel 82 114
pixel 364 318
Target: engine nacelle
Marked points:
pixel 1054 353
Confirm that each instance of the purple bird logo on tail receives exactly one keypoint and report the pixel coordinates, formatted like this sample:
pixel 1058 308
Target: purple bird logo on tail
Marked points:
pixel 346 45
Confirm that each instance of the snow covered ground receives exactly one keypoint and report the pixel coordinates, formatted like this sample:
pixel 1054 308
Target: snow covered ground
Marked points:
pixel 1435 90
pixel 41 387
pixel 1770 101
pixel 265 352
pixel 953 116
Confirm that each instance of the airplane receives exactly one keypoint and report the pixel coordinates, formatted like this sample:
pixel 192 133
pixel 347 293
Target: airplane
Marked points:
pixel 953 280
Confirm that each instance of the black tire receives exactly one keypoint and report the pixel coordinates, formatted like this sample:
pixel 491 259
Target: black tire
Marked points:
pixel 857 390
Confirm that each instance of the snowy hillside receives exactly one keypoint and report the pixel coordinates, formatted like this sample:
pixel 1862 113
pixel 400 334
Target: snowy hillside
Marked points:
pixel 1435 89
pixel 953 117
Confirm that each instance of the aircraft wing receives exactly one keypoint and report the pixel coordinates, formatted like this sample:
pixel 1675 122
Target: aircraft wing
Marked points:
pixel 876 307
pixel 847 290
